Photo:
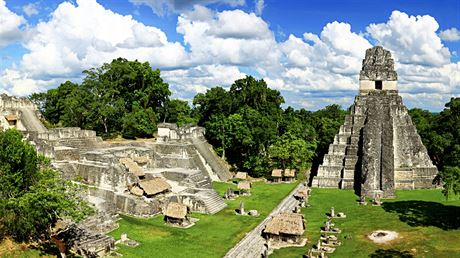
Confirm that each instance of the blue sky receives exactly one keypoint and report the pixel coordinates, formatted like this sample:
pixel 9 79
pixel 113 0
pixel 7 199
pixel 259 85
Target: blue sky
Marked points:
pixel 309 50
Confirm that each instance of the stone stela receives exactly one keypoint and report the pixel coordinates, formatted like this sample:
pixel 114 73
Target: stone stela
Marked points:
pixel 377 149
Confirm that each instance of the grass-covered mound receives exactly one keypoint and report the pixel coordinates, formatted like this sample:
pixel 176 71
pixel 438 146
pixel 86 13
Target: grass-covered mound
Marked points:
pixel 211 236
pixel 428 226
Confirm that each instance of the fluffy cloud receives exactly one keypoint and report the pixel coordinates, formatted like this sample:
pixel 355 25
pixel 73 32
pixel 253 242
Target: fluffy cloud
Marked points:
pixel 413 39
pixel 228 38
pixel 185 83
pixel 30 9
pixel 81 36
pixel 451 34
pixel 329 62
pixel 312 70
pixel 9 25
pixel 162 7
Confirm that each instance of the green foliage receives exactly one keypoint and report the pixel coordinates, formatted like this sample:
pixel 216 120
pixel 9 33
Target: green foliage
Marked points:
pixel 140 122
pixel 32 197
pixel 179 112
pixel 440 133
pixel 289 151
pixel 18 165
pixel 450 176
pixel 241 123
pixel 248 127
pixel 121 97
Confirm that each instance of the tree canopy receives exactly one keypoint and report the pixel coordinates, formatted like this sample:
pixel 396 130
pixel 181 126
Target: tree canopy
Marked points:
pixel 247 125
pixel 122 97
pixel 32 196
pixel 441 135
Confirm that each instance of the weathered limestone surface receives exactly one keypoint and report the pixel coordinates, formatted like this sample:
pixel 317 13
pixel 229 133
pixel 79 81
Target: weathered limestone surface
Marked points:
pixel 377 149
pixel 378 65
pixel 180 156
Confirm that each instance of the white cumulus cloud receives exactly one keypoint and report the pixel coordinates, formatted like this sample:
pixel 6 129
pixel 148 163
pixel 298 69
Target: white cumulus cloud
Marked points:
pixel 413 39
pixel 85 35
pixel 451 34
pixel 228 37
pixel 186 83
pixel 9 25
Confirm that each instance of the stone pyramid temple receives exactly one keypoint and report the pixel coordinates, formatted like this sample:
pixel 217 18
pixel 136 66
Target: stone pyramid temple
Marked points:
pixel 377 149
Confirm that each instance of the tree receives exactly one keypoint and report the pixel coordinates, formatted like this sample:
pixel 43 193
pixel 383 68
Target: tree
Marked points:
pixel 140 122
pixel 179 112
pixel 450 176
pixel 216 101
pixel 110 99
pixel 32 197
pixel 441 135
pixel 19 165
pixel 290 151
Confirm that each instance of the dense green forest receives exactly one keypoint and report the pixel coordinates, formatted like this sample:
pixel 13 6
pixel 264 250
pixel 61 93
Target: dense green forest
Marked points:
pixel 440 132
pixel 32 195
pixel 246 124
pixel 124 97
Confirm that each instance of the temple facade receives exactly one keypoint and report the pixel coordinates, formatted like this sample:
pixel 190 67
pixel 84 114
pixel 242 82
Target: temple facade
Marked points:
pixel 377 149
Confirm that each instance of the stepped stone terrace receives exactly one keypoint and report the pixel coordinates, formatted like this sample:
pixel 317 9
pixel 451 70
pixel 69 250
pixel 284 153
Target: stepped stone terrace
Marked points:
pixel 377 149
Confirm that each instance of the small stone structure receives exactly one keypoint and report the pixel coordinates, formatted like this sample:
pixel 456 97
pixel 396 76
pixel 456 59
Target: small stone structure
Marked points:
pixel 241 175
pixel 286 175
pixel 244 187
pixel 133 167
pixel 377 201
pixel 69 237
pixel 154 186
pixel 277 175
pixel 177 214
pixel 285 229
pixel 230 194
pixel 377 149
pixel 302 195
pixel 289 174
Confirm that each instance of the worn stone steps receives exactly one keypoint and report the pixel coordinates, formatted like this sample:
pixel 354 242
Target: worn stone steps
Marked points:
pixel 212 159
pixel 212 201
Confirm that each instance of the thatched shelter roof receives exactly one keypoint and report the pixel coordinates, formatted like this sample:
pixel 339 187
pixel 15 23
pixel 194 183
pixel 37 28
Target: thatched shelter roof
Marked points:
pixel 241 175
pixel 141 160
pixel 286 223
pixel 302 193
pixel 154 186
pixel 176 210
pixel 11 117
pixel 136 190
pixel 132 167
pixel 244 185
pixel 289 172
pixel 277 173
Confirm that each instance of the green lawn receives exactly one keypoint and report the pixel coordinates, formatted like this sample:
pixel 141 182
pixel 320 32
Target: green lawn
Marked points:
pixel 212 236
pixel 428 225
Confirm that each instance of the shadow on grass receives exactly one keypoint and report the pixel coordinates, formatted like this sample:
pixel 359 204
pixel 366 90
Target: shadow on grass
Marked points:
pixel 390 253
pixel 47 248
pixel 422 213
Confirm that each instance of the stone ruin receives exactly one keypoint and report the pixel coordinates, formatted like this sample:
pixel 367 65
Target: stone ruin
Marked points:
pixel 377 149
pixel 137 178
